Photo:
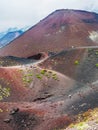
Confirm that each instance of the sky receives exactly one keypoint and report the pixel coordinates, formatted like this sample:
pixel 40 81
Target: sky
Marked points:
pixel 21 13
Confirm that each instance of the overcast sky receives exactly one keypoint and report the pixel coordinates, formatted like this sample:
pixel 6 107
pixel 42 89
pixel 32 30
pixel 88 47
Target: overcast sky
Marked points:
pixel 20 13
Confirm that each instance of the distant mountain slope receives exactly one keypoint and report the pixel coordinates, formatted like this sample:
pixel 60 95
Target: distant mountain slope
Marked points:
pixel 61 29
pixel 10 34
pixel 2 34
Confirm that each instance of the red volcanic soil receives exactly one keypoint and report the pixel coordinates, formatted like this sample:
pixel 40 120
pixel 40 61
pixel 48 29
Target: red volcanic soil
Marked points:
pixel 38 103
pixel 44 99
pixel 12 78
pixel 26 85
pixel 31 116
pixel 64 62
pixel 61 29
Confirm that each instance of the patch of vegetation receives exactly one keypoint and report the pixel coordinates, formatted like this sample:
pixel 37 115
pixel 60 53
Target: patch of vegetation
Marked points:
pixel 4 92
pixel 48 75
pixel 96 52
pixel 83 119
pixel 38 76
pixel 49 71
pixel 82 126
pixel 54 76
pixel 27 78
pixel 76 62
pixel 96 64
pixel 43 71
pixel 24 79
pixel 30 74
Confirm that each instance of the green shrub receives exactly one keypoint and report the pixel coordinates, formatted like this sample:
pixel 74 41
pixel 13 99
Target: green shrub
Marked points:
pixel 76 62
pixel 38 76
pixel 30 74
pixel 96 52
pixel 96 64
pixel 4 92
pixel 28 80
pixel 43 71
